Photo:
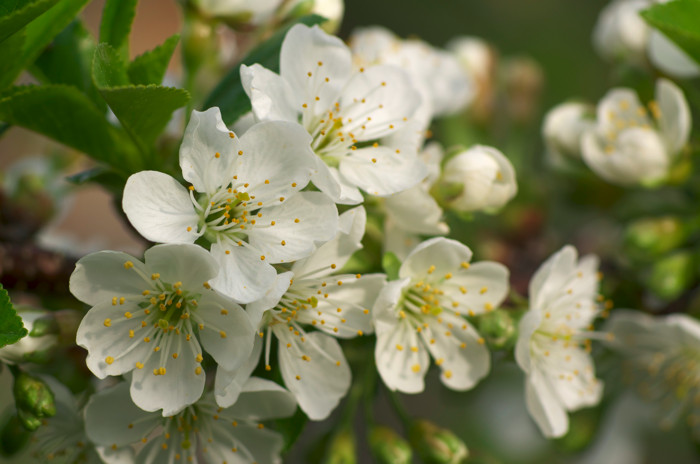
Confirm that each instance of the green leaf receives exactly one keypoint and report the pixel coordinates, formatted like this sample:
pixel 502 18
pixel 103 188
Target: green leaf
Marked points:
pixel 150 67
pixel 15 14
pixel 679 20
pixel 143 111
pixel 391 265
pixel 75 45
pixel 115 27
pixel 108 178
pixel 11 326
pixel 37 35
pixel 229 95
pixel 66 115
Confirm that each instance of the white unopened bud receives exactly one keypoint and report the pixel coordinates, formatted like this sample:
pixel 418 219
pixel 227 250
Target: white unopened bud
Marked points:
pixel 621 33
pixel 563 128
pixel 480 178
pixel 633 144
pixel 240 11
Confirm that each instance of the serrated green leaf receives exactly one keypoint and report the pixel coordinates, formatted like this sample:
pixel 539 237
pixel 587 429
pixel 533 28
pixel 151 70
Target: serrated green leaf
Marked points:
pixel 66 115
pixel 678 20
pixel 115 27
pixel 11 326
pixel 74 45
pixel 150 67
pixel 144 111
pixel 391 265
pixel 37 35
pixel 14 15
pixel 108 68
pixel 229 95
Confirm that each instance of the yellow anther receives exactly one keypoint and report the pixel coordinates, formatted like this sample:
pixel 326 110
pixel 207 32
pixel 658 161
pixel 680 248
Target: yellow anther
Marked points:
pixel 114 301
pixel 416 368
pixel 155 276
pixel 109 360
pixel 431 269
pixel 199 358
pixel 224 312
pixel 483 290
pixel 127 315
pixel 108 322
pixel 222 333
pixel 131 334
pixel 128 265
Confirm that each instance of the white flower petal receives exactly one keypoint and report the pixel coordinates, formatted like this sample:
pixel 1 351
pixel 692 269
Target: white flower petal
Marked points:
pixel 229 384
pixel 271 96
pixel 301 223
pixel 402 360
pixel 485 283
pixel 544 407
pixel 190 264
pixel 263 400
pixel 205 136
pixel 307 51
pixel 527 326
pixel 398 241
pixel 443 255
pixel 99 277
pixel 462 359
pixel 670 58
pixel 257 308
pixel 378 101
pixel 178 387
pixel 381 171
pixel 160 208
pixel 675 120
pixel 111 418
pixel 243 275
pixel 550 277
pixel 253 445
pixel 108 335
pixel 276 161
pixel 351 225
pixel 225 330
pixel 345 312
pixel 416 211
pixel 314 370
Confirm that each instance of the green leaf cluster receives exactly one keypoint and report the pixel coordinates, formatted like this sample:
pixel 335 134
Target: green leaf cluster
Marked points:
pixel 678 20
pixel 11 326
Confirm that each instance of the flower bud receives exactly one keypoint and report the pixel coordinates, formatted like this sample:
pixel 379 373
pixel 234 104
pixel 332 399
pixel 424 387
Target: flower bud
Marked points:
pixel 341 449
pixel 672 275
pixel 650 237
pixel 498 328
pixel 34 400
pixel 620 32
pixel 332 10
pixel 480 178
pixel 388 447
pixel 42 329
pixel 436 445
pixel 563 128
pixel 239 12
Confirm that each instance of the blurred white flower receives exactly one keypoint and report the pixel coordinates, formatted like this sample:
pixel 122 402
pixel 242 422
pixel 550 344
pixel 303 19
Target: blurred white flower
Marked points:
pixel 244 199
pixel 480 178
pixel 421 314
pixel 554 340
pixel 332 10
pixel 341 109
pixel 27 346
pixel 563 128
pixel 660 360
pixel 248 11
pixel 200 434
pixel 627 145
pixel 445 86
pixel 312 294
pixel 415 212
pixel 151 317
pixel 622 34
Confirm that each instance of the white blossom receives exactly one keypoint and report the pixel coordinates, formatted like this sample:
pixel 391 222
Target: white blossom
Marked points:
pixel 155 319
pixel 414 212
pixel 313 295
pixel 563 129
pixel 443 84
pixel 554 340
pixel 630 146
pixel 660 360
pixel 422 314
pixel 244 199
pixel 341 108
pixel 622 34
pixel 252 11
pixel 480 178
pixel 202 433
